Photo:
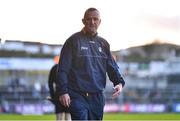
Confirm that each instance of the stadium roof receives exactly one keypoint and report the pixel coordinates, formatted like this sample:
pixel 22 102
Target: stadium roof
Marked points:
pixel 26 63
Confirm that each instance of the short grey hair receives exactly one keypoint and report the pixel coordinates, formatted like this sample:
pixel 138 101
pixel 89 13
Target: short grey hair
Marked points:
pixel 90 9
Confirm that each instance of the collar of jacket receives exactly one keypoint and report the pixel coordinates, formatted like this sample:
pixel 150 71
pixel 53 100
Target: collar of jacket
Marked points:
pixel 84 32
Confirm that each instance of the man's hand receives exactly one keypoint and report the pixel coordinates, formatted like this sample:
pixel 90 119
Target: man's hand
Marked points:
pixel 117 91
pixel 65 100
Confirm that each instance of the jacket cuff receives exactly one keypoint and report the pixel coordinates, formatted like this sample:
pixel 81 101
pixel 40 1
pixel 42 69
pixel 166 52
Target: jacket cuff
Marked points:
pixel 121 81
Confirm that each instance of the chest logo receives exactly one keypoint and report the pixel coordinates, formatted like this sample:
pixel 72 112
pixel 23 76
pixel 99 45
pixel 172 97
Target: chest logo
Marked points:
pixel 84 48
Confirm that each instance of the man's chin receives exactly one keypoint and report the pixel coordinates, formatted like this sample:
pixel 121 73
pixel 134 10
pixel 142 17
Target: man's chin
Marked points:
pixel 93 31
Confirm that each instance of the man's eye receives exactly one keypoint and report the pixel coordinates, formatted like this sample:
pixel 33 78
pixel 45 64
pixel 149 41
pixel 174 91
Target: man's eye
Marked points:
pixel 95 18
pixel 88 19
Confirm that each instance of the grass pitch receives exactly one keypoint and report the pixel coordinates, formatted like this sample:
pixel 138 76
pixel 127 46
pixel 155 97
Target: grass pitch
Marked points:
pixel 142 116
pixel 107 116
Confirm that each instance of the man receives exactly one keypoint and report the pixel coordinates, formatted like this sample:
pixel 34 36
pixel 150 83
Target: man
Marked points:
pixel 85 60
pixel 62 113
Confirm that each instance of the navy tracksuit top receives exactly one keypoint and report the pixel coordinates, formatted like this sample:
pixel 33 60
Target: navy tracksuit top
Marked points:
pixel 84 62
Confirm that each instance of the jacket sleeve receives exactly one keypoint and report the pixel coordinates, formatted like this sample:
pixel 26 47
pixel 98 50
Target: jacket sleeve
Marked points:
pixel 113 70
pixel 51 81
pixel 64 67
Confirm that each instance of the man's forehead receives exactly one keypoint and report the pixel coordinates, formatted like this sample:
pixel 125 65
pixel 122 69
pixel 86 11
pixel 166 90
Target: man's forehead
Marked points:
pixel 92 14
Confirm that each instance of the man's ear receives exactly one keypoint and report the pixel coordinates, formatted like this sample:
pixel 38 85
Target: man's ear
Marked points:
pixel 100 21
pixel 83 21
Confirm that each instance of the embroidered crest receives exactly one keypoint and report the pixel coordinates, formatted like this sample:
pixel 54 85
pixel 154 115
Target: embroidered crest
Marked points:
pixel 100 49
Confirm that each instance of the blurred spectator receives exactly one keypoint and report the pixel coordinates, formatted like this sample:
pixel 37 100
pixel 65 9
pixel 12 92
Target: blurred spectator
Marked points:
pixel 37 89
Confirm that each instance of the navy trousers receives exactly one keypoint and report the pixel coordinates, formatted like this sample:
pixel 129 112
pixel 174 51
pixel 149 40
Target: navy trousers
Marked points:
pixel 86 106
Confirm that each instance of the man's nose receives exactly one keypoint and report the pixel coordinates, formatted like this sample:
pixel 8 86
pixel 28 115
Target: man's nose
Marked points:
pixel 92 21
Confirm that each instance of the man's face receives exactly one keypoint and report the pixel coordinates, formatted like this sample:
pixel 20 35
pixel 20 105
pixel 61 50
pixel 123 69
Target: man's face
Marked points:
pixel 92 21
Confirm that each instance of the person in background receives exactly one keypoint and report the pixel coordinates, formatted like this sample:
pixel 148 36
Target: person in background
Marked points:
pixel 85 60
pixel 62 113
